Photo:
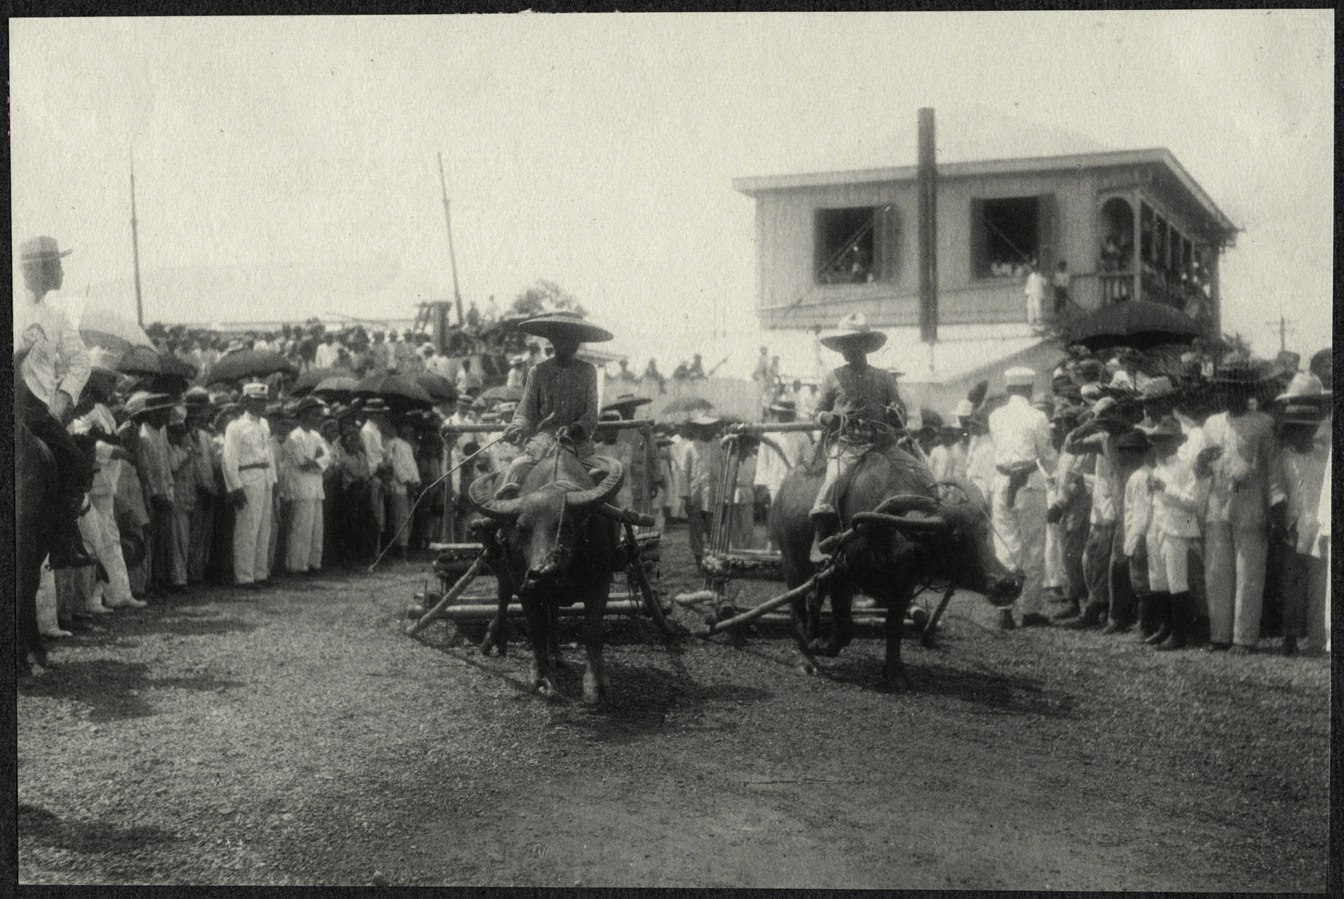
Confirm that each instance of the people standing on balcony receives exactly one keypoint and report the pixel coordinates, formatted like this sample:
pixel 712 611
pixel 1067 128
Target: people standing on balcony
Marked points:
pixel 1060 281
pixel 1035 291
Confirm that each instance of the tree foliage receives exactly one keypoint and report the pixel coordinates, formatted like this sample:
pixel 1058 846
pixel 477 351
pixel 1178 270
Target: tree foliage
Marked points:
pixel 545 296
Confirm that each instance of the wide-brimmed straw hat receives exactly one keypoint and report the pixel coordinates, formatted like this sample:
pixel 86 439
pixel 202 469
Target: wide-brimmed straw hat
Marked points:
pixel 1238 372
pixel 1158 389
pixel 853 333
pixel 1305 388
pixel 41 249
pixel 143 401
pixel 626 401
pixel 565 324
pixel 1167 428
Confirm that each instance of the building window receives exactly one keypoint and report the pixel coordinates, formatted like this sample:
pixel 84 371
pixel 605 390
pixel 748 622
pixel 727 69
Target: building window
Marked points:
pixel 855 245
pixel 1010 234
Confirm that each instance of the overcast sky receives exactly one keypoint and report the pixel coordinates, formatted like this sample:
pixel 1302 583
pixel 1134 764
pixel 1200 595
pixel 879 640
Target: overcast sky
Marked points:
pixel 598 150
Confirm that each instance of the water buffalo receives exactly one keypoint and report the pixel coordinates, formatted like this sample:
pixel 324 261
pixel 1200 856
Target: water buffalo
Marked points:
pixel 553 546
pixel 906 536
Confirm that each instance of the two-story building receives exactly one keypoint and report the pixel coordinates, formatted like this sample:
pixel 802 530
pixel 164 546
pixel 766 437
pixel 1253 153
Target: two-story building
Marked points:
pixel 1126 225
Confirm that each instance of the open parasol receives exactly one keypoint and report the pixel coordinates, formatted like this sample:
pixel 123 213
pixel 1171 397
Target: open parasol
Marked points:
pixel 308 381
pixel 1138 324
pixel 438 387
pixel 398 390
pixel 106 329
pixel 501 394
pixel 249 364
pixel 339 387
pixel 139 360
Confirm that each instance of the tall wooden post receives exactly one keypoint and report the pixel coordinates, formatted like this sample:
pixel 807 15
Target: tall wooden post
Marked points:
pixel 135 252
pixel 928 230
pixel 452 256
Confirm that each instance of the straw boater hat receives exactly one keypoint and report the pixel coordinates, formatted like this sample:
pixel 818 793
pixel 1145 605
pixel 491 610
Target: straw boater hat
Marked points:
pixel 1158 389
pixel 1019 376
pixel 142 402
pixel 1303 389
pixel 853 332
pixel 565 324
pixel 372 405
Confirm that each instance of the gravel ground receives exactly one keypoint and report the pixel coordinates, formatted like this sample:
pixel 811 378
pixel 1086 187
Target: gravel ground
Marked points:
pixel 300 738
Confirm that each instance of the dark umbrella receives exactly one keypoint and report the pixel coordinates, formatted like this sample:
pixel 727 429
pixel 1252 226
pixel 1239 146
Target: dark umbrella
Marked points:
pixel 1138 324
pixel 398 390
pixel 314 376
pixel 340 387
pixel 140 360
pixel 437 386
pixel 501 394
pixel 249 364
pixel 175 366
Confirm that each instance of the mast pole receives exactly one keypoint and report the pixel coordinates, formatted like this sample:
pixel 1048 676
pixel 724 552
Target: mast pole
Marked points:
pixel 135 251
pixel 452 255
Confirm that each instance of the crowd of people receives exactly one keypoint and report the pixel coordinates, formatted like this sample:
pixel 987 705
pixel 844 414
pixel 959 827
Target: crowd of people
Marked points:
pixel 1171 496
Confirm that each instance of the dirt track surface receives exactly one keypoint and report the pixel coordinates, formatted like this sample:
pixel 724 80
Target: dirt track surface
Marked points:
pixel 301 739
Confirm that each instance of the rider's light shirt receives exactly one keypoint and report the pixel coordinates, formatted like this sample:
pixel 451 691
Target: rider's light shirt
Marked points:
pixel 859 393
pixel 57 358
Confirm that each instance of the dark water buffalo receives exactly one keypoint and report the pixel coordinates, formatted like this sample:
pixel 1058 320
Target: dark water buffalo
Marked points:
pixel 553 546
pixel 906 536
pixel 35 496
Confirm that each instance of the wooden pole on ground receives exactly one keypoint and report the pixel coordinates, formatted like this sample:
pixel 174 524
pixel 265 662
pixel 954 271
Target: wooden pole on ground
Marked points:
pixel 448 598
pixel 769 604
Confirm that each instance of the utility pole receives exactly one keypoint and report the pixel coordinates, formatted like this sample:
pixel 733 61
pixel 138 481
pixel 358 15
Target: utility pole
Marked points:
pixel 135 251
pixel 1284 327
pixel 452 256
pixel 927 179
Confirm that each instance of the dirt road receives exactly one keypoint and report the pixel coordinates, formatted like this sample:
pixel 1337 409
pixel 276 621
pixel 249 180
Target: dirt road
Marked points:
pixel 301 739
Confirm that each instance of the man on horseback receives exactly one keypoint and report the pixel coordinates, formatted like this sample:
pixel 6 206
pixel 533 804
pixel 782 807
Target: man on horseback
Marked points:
pixel 51 366
pixel 860 408
pixel 560 396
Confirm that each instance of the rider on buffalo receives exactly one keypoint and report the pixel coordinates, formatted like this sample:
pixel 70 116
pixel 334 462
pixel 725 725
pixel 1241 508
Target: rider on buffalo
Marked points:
pixel 861 409
pixel 52 365
pixel 560 393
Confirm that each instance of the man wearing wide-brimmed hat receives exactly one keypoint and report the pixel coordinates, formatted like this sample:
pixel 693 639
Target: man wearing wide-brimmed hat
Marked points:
pixel 860 408
pixel 1246 497
pixel 1305 461
pixel 1068 506
pixel 643 455
pixel 51 365
pixel 249 476
pixel 559 398
pixel 150 413
pixel 308 460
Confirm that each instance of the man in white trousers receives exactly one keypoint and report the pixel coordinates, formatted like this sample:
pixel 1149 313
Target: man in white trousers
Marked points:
pixel 1023 457
pixel 248 476
pixel 308 459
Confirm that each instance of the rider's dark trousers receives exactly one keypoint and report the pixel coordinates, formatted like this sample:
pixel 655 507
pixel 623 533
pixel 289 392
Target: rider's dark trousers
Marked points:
pixel 73 468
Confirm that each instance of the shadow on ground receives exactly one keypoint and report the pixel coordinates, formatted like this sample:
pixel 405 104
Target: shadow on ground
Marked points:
pixel 38 826
pixel 113 690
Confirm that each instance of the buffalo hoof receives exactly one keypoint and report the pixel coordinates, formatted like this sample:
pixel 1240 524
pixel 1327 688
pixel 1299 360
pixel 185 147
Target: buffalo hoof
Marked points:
pixel 546 687
pixel 807 667
pixel 490 646
pixel 827 648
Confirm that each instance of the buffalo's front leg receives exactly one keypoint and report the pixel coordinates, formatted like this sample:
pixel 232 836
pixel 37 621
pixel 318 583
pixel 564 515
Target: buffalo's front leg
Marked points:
pixel 558 662
pixel 892 668
pixel 538 635
pixel 595 682
pixel 496 633
pixel 842 621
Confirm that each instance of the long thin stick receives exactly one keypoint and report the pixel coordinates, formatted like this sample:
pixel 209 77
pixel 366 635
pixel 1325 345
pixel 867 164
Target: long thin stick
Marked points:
pixel 468 576
pixel 769 604
pixel 424 493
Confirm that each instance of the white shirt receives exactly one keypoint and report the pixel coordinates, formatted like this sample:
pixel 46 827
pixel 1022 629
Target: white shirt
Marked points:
pixel 325 355
pixel 372 438
pixel 1305 478
pixel 1177 506
pixel 1138 508
pixel 301 447
pixel 247 441
pixel 57 358
pixel 770 468
pixel 1323 510
pixel 1021 433
pixel 404 469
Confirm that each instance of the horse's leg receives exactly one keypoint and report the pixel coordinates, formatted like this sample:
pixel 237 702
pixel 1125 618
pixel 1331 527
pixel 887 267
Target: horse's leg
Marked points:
pixel 534 610
pixel 892 668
